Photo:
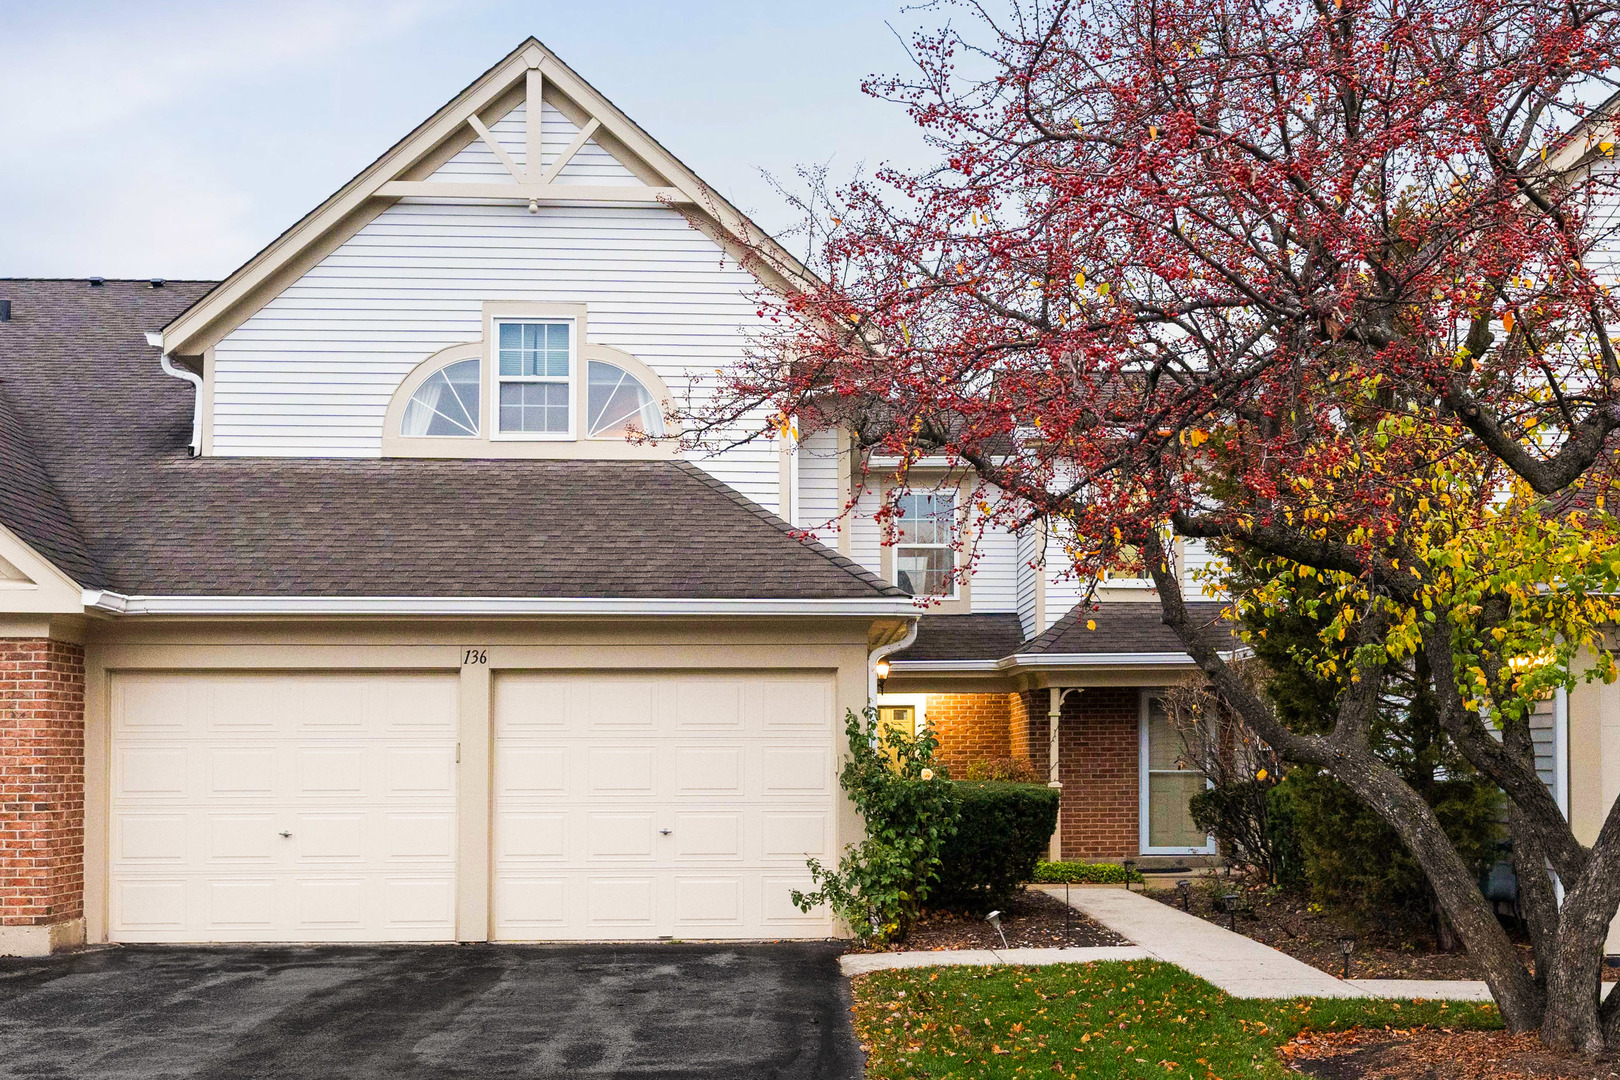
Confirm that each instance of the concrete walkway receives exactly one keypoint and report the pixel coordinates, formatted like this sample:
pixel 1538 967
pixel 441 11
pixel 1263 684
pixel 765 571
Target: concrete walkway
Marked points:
pixel 861 963
pixel 1241 966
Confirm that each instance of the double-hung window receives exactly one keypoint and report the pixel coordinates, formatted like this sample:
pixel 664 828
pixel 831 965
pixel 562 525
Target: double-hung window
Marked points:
pixel 924 554
pixel 535 377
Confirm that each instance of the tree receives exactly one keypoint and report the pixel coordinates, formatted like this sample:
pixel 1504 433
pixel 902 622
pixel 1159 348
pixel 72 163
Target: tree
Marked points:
pixel 1292 275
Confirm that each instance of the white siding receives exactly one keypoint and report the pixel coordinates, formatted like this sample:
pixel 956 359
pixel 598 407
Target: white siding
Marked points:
pixel 1195 557
pixel 1028 552
pixel 1541 733
pixel 995 572
pixel 818 502
pixel 865 538
pixel 311 373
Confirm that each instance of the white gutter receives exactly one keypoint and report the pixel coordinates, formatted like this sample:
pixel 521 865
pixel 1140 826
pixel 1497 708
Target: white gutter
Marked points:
pixel 1033 660
pixel 1560 769
pixel 881 651
pixel 155 340
pixel 119 604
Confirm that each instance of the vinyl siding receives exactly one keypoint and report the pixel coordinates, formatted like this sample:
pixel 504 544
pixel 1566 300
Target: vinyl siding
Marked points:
pixel 995 573
pixel 312 372
pixel 1195 557
pixel 1028 577
pixel 1541 733
pixel 818 503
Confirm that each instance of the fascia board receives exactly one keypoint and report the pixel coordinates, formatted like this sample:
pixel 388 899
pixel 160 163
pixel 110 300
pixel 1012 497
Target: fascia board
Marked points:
pixel 120 604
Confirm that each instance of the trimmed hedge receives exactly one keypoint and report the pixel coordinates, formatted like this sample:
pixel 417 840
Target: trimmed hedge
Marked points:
pixel 1082 873
pixel 1002 830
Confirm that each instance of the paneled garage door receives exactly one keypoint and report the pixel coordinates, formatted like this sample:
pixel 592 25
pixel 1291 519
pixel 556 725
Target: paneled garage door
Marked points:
pixel 251 806
pixel 669 804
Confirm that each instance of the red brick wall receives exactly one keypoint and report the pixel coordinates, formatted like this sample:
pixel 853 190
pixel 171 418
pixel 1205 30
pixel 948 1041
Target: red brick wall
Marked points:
pixel 971 727
pixel 41 782
pixel 1099 736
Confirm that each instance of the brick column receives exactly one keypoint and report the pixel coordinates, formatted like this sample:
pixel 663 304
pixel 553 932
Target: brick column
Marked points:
pixel 41 795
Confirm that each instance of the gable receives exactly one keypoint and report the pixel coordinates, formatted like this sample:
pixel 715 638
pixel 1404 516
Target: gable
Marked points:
pixel 414 169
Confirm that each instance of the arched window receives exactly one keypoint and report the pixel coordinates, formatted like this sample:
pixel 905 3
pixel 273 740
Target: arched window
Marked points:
pixel 617 403
pixel 446 403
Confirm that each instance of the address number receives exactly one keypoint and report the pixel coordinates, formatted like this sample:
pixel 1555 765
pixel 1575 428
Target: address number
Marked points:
pixel 475 656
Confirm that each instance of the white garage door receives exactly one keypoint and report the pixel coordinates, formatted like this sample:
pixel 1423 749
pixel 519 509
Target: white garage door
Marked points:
pixel 675 804
pixel 251 806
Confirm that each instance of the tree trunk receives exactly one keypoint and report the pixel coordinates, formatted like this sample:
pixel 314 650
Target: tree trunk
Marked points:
pixel 1574 980
pixel 1538 903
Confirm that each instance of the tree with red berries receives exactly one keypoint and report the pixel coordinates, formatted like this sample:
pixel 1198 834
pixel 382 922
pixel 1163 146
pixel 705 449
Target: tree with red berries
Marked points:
pixel 1320 281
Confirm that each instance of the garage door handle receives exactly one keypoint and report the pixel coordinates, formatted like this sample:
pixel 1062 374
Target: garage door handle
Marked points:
pixel 285 835
pixel 663 832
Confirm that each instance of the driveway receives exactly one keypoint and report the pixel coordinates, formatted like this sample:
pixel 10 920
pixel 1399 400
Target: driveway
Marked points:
pixel 290 1013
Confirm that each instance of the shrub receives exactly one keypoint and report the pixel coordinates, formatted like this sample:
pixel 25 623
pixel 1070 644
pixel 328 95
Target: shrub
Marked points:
pixel 1356 864
pixel 1012 770
pixel 1002 830
pixel 1252 827
pixel 880 884
pixel 1082 873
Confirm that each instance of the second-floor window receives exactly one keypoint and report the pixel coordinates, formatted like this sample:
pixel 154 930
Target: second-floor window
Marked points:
pixel 923 555
pixel 535 378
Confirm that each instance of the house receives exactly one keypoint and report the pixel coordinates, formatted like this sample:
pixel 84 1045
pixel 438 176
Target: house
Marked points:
pixel 338 605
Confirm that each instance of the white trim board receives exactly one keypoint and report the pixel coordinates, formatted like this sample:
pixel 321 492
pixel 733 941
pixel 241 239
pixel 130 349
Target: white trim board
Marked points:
pixel 119 604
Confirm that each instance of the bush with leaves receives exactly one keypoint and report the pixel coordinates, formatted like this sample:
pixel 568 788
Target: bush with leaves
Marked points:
pixel 1011 770
pixel 1002 830
pixel 880 884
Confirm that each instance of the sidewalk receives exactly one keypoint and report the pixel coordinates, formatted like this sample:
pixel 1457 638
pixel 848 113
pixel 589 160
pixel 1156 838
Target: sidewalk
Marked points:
pixel 1241 966
pixel 861 963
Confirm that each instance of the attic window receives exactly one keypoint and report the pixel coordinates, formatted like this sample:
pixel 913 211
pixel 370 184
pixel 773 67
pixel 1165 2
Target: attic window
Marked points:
pixel 618 404
pixel 446 404
pixel 535 373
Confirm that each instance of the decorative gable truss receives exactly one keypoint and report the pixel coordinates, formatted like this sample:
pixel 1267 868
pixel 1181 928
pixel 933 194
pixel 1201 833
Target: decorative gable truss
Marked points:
pixel 546 136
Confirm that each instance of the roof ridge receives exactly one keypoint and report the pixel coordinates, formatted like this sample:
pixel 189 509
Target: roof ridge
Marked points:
pixel 843 562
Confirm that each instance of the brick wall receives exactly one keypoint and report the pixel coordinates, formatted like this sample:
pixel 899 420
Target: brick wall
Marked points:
pixel 1099 735
pixel 971 727
pixel 41 782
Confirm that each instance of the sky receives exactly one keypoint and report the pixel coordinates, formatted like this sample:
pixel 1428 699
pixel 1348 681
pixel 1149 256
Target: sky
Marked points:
pixel 174 139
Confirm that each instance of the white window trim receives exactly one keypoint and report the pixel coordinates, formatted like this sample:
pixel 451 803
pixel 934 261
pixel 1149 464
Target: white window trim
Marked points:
pixel 496 380
pixel 950 547
pixel 1144 807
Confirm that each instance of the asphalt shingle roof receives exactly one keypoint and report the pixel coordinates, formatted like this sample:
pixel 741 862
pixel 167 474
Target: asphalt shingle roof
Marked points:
pixel 1121 628
pixel 94 474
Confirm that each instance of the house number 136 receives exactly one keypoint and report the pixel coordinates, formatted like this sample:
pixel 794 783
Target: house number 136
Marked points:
pixel 475 656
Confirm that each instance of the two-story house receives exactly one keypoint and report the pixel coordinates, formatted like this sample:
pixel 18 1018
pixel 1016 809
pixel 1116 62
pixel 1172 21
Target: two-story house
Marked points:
pixel 336 603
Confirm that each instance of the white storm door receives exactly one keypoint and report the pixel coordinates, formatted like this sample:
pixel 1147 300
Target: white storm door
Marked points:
pixel 662 804
pixel 283 806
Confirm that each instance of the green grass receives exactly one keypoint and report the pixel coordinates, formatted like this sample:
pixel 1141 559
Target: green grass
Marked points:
pixel 1139 1019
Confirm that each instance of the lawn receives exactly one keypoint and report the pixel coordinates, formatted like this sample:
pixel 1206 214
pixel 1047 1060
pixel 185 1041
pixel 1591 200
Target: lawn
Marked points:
pixel 1139 1019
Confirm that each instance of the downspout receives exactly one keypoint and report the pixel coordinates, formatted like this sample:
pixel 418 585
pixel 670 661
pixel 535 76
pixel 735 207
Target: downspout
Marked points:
pixel 881 651
pixel 156 341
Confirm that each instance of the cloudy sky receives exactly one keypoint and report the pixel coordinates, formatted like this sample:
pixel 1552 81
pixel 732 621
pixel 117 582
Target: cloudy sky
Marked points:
pixel 174 139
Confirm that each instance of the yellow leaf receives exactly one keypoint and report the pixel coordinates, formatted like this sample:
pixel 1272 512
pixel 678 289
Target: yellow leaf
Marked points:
pixel 1102 288
pixel 1261 775
pixel 1091 624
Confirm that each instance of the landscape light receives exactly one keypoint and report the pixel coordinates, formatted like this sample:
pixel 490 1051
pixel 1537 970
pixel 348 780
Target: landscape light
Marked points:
pixel 1347 945
pixel 994 919
pixel 1231 902
pixel 1184 888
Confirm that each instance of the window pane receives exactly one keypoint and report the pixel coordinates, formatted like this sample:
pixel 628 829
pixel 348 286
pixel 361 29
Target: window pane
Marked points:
pixel 1170 822
pixel 1164 743
pixel 926 517
pixel 534 349
pixel 618 403
pixel 445 404
pixel 924 571
pixel 535 407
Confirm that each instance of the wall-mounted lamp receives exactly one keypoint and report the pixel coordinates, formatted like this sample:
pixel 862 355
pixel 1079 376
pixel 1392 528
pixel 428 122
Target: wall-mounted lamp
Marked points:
pixel 882 673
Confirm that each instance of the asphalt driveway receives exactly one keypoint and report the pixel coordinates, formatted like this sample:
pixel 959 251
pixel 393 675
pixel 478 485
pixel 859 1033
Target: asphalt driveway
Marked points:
pixel 291 1013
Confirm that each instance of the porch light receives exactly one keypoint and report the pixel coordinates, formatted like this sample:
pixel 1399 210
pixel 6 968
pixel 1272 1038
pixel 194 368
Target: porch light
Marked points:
pixel 1231 902
pixel 1184 890
pixel 994 919
pixel 1347 945
pixel 882 667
